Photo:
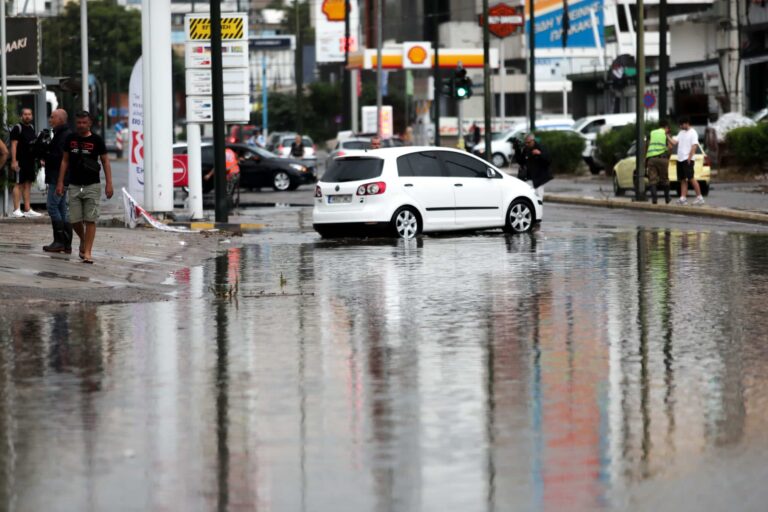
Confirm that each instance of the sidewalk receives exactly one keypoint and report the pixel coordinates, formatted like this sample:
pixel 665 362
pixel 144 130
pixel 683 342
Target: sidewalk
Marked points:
pixel 129 265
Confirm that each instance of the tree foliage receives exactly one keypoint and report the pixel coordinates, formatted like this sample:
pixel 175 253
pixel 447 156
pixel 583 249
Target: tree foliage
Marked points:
pixel 114 34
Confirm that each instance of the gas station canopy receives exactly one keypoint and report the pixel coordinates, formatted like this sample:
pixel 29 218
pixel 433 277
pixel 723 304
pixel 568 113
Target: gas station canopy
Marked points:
pixel 420 56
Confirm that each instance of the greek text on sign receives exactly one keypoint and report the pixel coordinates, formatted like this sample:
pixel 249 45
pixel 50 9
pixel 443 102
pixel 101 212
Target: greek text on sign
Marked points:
pixel 234 27
pixel 235 81
pixel 233 55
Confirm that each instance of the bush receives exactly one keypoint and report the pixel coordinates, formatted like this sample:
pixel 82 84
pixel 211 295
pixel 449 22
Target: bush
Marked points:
pixel 748 145
pixel 564 148
pixel 617 142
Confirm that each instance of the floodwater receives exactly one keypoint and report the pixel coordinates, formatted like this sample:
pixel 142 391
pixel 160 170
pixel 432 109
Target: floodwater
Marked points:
pixel 580 368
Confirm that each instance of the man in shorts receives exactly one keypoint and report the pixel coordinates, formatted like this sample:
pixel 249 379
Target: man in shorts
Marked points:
pixel 658 161
pixel 687 143
pixel 23 164
pixel 80 163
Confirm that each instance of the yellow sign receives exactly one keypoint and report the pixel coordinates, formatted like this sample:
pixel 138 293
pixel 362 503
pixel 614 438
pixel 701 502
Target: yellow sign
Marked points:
pixel 334 9
pixel 233 28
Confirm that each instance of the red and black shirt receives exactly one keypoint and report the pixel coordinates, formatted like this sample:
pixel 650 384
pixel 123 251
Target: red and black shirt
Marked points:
pixel 79 149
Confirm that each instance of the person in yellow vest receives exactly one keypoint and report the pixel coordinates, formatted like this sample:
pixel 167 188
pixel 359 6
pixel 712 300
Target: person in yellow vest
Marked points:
pixel 657 161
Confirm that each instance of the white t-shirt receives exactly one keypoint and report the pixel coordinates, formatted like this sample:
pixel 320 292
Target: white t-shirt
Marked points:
pixel 686 139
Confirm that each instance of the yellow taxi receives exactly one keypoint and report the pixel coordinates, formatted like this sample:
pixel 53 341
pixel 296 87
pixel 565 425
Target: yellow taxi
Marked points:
pixel 624 172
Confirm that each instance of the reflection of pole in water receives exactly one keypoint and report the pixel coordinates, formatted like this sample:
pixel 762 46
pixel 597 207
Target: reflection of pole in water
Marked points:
pixel 642 321
pixel 667 327
pixel 222 389
pixel 7 421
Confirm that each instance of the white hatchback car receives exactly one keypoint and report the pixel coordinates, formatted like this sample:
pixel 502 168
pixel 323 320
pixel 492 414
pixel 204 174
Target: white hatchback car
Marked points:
pixel 409 190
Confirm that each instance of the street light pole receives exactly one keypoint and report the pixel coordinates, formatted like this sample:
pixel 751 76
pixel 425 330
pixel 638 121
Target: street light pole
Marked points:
pixel 379 77
pixel 663 59
pixel 437 85
pixel 639 106
pixel 531 68
pixel 486 83
pixel 84 51
pixel 4 80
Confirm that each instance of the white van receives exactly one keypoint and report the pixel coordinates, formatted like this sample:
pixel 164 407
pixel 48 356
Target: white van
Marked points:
pixel 591 126
pixel 502 151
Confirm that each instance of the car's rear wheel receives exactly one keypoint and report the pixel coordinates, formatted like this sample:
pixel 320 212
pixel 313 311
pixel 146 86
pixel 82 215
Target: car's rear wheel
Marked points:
pixel 520 217
pixel 325 232
pixel 498 160
pixel 405 223
pixel 281 181
pixel 617 190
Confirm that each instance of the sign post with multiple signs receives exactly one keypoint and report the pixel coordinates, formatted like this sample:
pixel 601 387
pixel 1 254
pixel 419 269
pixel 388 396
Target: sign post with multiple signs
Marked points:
pixel 236 87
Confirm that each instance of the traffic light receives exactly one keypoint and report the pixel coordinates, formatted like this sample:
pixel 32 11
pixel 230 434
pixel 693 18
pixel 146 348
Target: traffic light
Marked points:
pixel 462 84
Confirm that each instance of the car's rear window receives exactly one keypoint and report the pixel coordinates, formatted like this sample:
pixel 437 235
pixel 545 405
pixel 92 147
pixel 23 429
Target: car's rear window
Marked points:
pixel 356 144
pixel 353 169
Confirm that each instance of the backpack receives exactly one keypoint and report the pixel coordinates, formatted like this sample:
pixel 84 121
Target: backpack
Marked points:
pixel 42 145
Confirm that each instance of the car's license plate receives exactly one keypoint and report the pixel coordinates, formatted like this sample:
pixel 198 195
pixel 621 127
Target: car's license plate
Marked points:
pixel 341 198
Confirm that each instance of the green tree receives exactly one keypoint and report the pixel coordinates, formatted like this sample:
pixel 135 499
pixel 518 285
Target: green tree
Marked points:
pixel 114 34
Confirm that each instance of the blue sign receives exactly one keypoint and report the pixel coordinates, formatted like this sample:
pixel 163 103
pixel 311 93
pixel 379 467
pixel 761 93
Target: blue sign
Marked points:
pixel 581 34
pixel 649 100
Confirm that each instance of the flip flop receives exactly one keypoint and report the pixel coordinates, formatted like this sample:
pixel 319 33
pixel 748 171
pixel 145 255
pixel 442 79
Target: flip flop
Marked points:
pixel 90 262
pixel 80 253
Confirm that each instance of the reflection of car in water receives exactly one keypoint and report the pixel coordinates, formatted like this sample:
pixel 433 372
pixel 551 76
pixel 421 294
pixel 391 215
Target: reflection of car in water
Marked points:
pixel 624 172
pixel 410 190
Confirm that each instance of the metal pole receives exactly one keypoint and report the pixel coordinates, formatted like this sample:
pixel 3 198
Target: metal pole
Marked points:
pixel 461 143
pixel 195 163
pixel 531 69
pixel 379 76
pixel 345 90
pixel 502 80
pixel 146 100
pixel 299 71
pixel 4 80
pixel 219 163
pixel 437 86
pixel 663 59
pixel 264 96
pixel 639 107
pixel 354 102
pixel 486 82
pixel 84 51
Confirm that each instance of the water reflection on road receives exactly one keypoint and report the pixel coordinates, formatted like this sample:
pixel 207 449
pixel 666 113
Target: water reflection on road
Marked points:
pixel 580 370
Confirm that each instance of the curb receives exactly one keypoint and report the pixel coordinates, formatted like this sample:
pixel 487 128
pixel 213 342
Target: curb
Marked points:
pixel 230 227
pixel 693 211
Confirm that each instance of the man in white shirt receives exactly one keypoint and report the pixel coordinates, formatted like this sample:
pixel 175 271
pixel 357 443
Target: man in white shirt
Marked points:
pixel 687 143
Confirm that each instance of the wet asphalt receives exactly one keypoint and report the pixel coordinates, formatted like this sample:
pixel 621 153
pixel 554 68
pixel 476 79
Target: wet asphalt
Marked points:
pixel 609 361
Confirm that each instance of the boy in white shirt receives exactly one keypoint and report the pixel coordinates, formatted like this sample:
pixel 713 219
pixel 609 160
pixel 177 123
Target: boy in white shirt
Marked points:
pixel 687 143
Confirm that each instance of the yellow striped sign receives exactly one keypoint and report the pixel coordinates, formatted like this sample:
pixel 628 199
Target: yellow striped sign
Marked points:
pixel 233 28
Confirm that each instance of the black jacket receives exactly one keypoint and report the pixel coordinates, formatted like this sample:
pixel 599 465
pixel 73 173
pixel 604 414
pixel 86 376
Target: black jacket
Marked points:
pixel 55 154
pixel 297 150
pixel 534 167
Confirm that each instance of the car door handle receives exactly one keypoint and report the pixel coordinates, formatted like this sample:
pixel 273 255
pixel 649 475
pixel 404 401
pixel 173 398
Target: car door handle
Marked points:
pixel 408 185
pixel 458 185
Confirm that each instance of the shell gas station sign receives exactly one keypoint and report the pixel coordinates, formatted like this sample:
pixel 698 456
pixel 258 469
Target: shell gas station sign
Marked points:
pixel 421 56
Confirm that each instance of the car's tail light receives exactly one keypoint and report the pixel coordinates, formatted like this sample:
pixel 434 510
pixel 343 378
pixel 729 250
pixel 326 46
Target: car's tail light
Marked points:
pixel 318 191
pixel 340 153
pixel 372 189
pixel 232 139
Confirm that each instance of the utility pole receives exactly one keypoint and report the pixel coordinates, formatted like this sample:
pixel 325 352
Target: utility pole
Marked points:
pixel 346 118
pixel 639 106
pixel 219 161
pixel 436 70
pixel 299 71
pixel 83 52
pixel 487 82
pixel 379 77
pixel 531 69
pixel 4 86
pixel 663 59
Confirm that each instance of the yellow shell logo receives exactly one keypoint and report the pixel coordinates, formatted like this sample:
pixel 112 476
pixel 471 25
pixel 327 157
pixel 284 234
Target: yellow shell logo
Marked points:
pixel 333 10
pixel 417 55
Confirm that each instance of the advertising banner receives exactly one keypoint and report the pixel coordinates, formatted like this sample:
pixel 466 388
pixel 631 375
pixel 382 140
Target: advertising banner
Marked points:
pixel 21 46
pixel 136 132
pixel 549 24
pixel 329 29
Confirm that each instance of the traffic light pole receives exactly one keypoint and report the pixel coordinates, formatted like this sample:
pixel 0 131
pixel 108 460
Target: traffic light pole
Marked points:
pixel 487 82
pixel 436 71
pixel 531 68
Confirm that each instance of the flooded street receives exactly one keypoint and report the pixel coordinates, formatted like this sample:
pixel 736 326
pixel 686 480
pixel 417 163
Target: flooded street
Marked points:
pixel 602 363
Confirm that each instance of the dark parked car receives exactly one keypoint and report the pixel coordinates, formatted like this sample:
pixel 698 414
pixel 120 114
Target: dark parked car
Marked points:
pixel 260 168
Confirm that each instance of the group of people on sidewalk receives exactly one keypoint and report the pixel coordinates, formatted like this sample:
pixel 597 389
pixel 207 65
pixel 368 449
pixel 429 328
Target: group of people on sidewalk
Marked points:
pixel 73 162
pixel 660 145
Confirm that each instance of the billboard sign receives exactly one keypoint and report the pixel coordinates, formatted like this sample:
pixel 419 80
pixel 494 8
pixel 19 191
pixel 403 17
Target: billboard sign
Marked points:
pixel 329 29
pixel 21 46
pixel 581 33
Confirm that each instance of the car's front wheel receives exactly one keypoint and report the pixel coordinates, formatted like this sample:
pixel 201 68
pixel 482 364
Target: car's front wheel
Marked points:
pixel 281 181
pixel 405 223
pixel 520 217
pixel 498 160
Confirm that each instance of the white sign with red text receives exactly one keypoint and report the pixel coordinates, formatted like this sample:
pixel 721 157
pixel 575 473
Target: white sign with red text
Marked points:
pixel 136 134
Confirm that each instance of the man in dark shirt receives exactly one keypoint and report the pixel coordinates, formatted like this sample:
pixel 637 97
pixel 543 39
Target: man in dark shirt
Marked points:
pixel 23 163
pixel 297 148
pixel 57 204
pixel 534 161
pixel 80 163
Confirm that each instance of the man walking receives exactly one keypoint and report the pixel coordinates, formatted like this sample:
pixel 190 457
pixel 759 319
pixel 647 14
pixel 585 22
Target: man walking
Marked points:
pixel 23 164
pixel 57 204
pixel 687 143
pixel 80 163
pixel 534 161
pixel 658 161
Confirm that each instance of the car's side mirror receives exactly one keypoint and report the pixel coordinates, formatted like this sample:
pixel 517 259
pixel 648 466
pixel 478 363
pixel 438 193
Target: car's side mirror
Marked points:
pixel 490 173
